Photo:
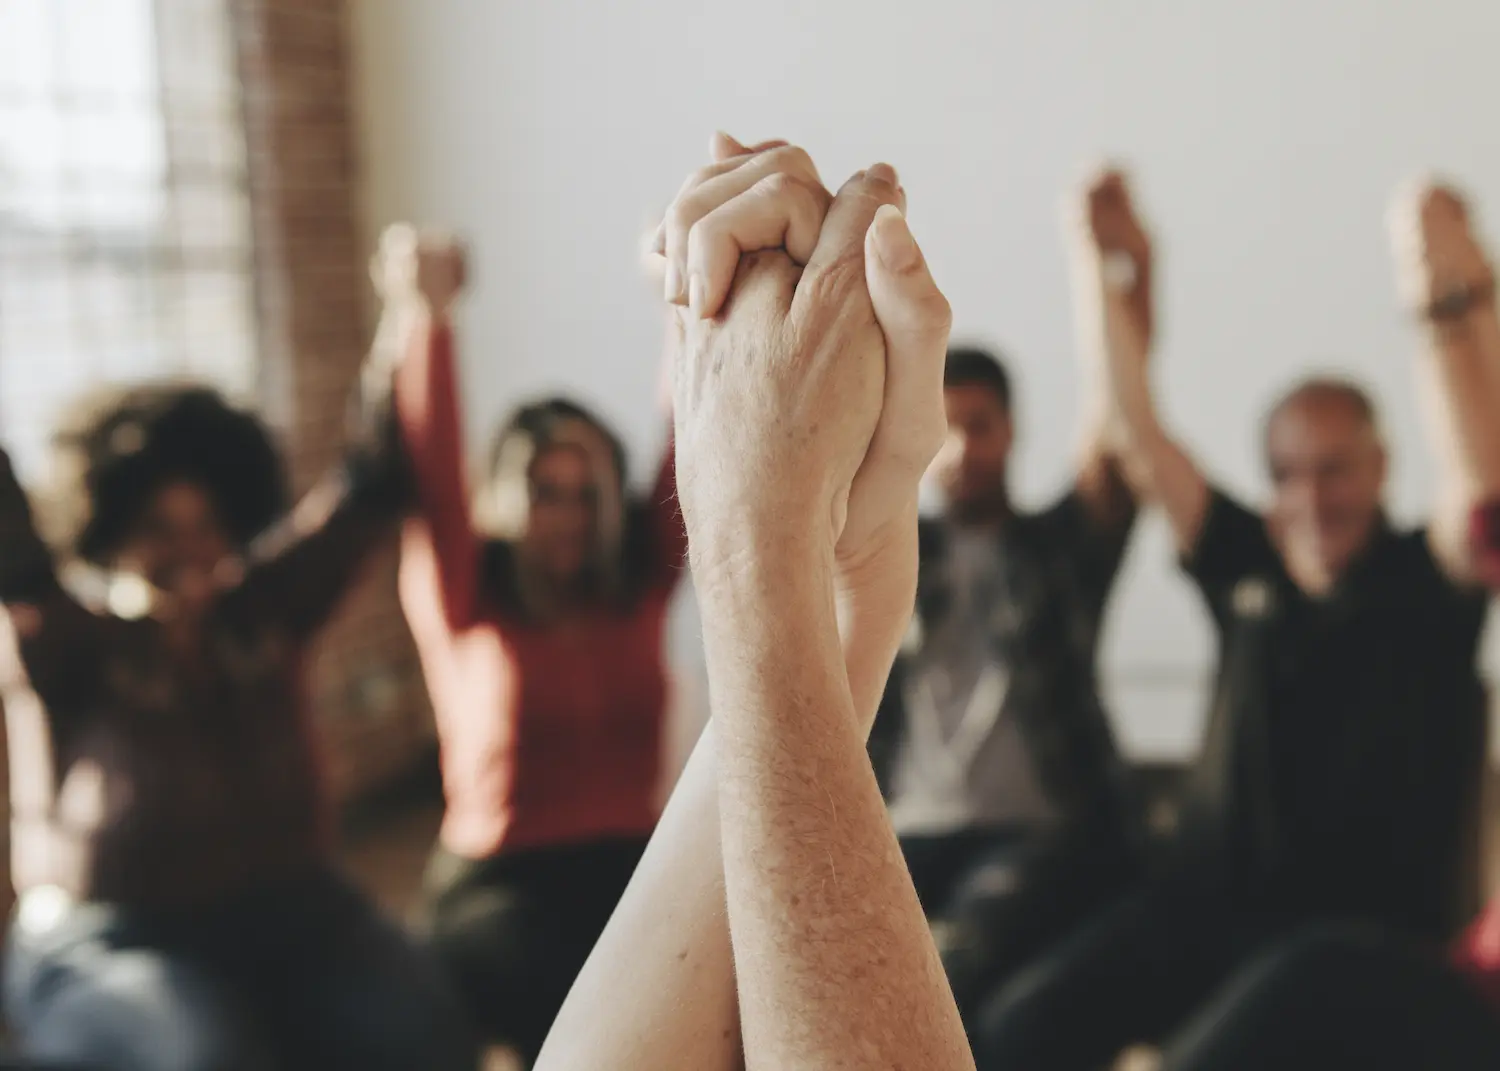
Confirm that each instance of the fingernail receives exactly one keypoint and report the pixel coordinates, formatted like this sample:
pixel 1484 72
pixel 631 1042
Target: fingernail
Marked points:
pixel 672 288
pixel 697 294
pixel 894 244
pixel 883 173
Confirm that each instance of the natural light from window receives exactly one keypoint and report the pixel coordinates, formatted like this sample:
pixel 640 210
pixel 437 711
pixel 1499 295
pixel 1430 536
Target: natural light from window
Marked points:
pixel 124 220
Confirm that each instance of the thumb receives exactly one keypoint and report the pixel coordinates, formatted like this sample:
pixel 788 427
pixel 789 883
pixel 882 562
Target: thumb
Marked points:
pixel 915 318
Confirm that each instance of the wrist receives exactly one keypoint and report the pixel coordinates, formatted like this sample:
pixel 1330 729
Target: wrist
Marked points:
pixel 402 317
pixel 754 561
pixel 1455 304
pixel 876 590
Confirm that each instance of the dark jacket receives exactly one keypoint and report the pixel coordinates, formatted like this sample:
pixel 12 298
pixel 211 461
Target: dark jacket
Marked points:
pixel 1060 566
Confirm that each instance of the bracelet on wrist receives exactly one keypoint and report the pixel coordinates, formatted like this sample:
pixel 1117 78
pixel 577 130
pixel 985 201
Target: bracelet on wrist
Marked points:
pixel 1455 303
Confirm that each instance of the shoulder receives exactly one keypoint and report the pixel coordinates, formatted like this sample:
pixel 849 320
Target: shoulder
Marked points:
pixel 1233 540
pixel 1406 556
pixel 1405 565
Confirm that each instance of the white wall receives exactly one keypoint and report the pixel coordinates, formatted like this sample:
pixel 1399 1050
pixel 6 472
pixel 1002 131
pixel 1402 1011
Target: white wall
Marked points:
pixel 1266 138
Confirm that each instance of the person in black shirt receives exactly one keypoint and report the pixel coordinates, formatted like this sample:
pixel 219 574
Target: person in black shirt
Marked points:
pixel 997 759
pixel 1341 770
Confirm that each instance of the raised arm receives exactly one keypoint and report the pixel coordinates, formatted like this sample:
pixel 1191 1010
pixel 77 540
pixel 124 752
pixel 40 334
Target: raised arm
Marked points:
pixel 1113 269
pixel 1100 483
pixel 776 407
pixel 300 570
pixel 1447 278
pixel 52 631
pixel 659 990
pixel 440 550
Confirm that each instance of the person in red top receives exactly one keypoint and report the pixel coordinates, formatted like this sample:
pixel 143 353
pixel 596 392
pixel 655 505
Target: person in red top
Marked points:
pixel 538 600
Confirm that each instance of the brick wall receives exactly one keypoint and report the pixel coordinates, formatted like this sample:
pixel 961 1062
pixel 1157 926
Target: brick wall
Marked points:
pixel 316 318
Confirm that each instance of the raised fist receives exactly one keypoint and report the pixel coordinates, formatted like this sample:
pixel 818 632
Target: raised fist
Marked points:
pixel 421 268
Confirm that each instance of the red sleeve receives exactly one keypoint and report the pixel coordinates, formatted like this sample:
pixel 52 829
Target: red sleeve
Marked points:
pixel 669 543
pixel 1484 542
pixel 1477 953
pixel 432 433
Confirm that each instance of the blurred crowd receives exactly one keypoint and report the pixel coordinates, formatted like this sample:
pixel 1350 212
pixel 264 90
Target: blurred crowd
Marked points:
pixel 1315 903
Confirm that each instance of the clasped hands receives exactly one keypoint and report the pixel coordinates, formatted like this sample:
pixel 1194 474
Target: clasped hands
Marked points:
pixel 807 375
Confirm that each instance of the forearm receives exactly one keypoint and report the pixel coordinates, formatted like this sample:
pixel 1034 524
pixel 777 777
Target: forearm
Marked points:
pixel 657 992
pixel 377 465
pixel 300 569
pixel 832 958
pixel 1462 367
pixel 1103 483
pixel 26 567
pixel 1155 465
pixel 645 1004
pixel 423 369
pixel 875 597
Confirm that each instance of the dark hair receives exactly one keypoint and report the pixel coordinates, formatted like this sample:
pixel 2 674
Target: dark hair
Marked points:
pixel 530 431
pixel 116 448
pixel 1321 389
pixel 970 365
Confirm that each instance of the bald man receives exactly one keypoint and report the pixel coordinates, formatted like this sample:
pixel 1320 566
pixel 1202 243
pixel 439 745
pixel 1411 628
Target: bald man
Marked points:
pixel 1341 770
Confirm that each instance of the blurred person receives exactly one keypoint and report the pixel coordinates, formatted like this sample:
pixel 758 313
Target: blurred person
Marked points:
pixel 1347 997
pixel 178 906
pixel 1341 774
pixel 1360 997
pixel 772 922
pixel 1003 777
pixel 538 598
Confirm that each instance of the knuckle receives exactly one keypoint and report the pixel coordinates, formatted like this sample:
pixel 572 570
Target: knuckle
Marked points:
pixel 792 158
pixel 700 176
pixel 678 221
pixel 777 186
pixel 939 312
pixel 702 236
pixel 839 279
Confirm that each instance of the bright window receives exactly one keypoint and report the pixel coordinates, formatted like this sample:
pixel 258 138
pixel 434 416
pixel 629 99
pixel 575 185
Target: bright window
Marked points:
pixel 124 219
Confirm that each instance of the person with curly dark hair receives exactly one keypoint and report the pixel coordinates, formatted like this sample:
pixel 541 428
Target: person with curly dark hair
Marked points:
pixel 178 906
pixel 538 599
